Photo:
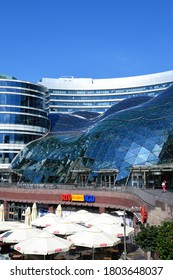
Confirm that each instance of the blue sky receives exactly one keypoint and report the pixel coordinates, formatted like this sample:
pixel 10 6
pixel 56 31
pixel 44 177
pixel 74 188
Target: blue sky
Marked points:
pixel 85 38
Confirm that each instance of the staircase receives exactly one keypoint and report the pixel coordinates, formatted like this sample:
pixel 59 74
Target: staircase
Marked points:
pixel 156 216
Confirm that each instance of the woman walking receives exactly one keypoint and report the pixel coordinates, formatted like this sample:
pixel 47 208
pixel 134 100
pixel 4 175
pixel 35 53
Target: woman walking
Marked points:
pixel 164 186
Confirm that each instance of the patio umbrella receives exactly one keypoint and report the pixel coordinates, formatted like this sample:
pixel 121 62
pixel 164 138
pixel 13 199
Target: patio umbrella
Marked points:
pixel 58 211
pixel 2 218
pixel 19 233
pixel 102 218
pixel 64 228
pixel 34 212
pixel 44 243
pixel 80 216
pixel 115 229
pixel 7 225
pixel 94 238
pixel 28 216
pixel 46 220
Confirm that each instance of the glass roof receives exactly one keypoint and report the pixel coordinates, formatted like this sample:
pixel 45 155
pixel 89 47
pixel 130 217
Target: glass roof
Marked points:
pixel 138 131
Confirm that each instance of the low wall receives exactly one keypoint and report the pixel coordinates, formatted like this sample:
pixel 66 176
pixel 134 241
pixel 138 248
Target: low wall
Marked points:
pixel 118 198
pixel 112 199
pixel 159 205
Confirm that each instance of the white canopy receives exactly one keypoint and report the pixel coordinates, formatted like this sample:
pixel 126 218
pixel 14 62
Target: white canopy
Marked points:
pixel 43 244
pixel 46 220
pixel 7 225
pixel 19 233
pixel 64 228
pixel 93 238
pixel 80 216
pixel 103 218
pixel 115 229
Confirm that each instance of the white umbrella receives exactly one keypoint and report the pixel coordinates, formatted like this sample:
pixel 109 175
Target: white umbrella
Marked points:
pixel 106 215
pixel 28 216
pixel 64 228
pixel 19 234
pixel 94 238
pixel 102 218
pixel 46 220
pixel 2 218
pixel 7 225
pixel 80 216
pixel 58 211
pixel 34 212
pixel 115 229
pixel 44 243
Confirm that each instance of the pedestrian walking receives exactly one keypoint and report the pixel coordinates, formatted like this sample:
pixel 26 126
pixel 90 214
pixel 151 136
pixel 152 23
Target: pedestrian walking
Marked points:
pixel 164 186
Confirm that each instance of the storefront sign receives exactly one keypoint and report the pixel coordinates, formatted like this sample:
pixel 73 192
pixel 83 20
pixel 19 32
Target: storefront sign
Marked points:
pixel 78 197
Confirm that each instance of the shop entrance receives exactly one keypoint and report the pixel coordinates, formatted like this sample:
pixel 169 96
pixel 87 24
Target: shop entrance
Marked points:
pixel 151 176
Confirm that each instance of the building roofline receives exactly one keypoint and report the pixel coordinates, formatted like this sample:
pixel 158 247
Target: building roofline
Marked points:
pixel 107 83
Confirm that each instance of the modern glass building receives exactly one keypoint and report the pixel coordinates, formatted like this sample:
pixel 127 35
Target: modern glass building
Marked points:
pixel 69 94
pixel 135 133
pixel 23 118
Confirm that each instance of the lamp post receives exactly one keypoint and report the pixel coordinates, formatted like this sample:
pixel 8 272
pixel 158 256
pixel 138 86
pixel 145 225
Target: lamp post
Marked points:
pixel 125 245
pixel 123 214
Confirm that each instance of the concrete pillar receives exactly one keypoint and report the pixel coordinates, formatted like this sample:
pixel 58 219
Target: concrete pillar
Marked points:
pixel 145 180
pixel 101 209
pixel 109 181
pixel 6 209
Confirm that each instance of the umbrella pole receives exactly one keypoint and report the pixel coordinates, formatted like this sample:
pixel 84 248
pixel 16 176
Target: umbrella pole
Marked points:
pixel 93 253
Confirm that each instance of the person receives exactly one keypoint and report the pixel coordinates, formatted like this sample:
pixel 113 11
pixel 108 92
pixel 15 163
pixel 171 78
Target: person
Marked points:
pixel 164 186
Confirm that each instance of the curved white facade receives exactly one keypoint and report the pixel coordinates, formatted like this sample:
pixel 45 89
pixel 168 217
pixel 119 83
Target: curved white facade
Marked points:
pixel 69 94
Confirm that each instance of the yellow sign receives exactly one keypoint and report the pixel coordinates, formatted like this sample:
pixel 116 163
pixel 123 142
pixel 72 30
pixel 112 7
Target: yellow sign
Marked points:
pixel 77 197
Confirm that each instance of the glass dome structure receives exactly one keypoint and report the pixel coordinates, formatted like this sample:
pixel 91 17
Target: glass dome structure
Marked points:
pixel 138 135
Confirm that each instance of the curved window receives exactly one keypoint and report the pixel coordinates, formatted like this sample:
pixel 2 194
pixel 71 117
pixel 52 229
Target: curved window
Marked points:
pixel 21 91
pixel 23 110
pixel 125 90
pixel 70 110
pixel 21 100
pixel 7 157
pixel 7 83
pixel 23 119
pixel 78 98
pixel 14 138
pixel 82 104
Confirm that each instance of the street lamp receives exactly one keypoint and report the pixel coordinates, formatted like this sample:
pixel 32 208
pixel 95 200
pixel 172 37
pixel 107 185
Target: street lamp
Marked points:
pixel 123 214
pixel 125 245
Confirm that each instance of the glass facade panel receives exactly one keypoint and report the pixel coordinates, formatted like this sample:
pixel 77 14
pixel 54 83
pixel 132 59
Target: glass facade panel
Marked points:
pixel 14 138
pixel 141 134
pixel 23 116
pixel 69 95
pixel 21 100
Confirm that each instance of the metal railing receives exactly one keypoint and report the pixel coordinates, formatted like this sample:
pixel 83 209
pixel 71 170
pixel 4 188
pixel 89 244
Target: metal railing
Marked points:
pixel 151 196
pixel 66 186
pixel 147 195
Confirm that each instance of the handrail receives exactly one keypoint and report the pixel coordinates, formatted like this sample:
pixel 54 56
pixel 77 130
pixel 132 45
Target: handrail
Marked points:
pixel 149 196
